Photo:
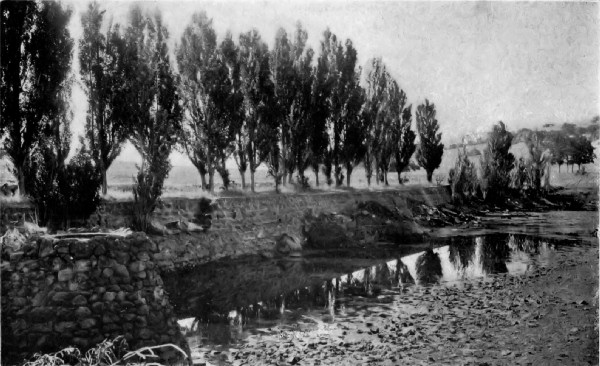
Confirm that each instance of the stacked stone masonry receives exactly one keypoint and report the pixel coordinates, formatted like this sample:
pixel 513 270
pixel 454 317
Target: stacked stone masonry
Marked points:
pixel 79 292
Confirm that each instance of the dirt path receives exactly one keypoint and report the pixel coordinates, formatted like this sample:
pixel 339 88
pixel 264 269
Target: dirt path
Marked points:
pixel 546 317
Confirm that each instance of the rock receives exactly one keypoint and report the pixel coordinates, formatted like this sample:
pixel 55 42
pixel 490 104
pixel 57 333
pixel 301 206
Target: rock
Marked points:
pixel 62 297
pixel 79 300
pixel 144 310
pixel 286 244
pixel 325 235
pixel 81 249
pixel 120 270
pixel 64 326
pixel 143 256
pixel 83 312
pixel 88 323
pixel 109 296
pixel 145 333
pixel 82 265
pixel 122 257
pixel 46 246
pixel 13 240
pixel 65 275
pixel 100 249
pixel 137 266
pixel 19 302
pixel 98 307
pixel 107 272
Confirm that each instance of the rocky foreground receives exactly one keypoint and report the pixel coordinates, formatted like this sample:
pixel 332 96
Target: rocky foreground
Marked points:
pixel 546 317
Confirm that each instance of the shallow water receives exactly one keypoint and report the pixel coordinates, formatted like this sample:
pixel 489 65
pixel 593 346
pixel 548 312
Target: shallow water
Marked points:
pixel 225 305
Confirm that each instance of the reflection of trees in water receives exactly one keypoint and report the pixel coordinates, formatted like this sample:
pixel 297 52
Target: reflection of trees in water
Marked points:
pixel 494 253
pixel 429 267
pixel 528 244
pixel 402 274
pixel 461 252
pixel 383 276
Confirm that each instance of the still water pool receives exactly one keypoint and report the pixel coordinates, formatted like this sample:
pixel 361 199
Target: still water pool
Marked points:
pixel 225 305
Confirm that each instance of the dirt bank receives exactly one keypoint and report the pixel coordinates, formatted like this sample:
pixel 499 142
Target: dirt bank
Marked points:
pixel 546 317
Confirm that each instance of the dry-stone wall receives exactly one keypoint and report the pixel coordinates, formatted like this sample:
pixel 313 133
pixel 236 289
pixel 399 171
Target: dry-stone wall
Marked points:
pixel 73 291
pixel 251 225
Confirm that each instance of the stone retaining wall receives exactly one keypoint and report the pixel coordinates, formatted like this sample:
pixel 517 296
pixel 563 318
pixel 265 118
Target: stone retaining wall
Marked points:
pixel 79 292
pixel 251 225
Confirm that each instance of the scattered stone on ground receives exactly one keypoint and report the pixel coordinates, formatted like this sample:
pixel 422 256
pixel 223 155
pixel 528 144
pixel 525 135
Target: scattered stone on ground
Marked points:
pixel 546 317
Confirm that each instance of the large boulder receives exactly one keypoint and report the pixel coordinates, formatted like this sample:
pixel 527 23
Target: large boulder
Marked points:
pixel 324 234
pixel 287 244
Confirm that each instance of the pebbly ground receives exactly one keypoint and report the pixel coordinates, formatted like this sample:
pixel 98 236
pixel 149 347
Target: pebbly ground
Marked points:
pixel 545 317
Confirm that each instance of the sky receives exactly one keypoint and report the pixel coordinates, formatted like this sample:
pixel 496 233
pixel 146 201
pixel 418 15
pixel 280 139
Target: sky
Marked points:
pixel 525 63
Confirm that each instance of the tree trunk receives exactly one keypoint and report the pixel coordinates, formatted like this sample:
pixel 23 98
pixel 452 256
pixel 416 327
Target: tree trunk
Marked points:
pixel 203 180
pixel 348 173
pixel 559 168
pixel 104 183
pixel 252 180
pixel 21 177
pixel 385 179
pixel 369 180
pixel 399 177
pixel 429 175
pixel 290 177
pixel 211 181
pixel 243 176
pixel 316 170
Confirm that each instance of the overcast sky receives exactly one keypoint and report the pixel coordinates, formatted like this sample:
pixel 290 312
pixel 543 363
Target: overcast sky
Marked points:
pixel 479 62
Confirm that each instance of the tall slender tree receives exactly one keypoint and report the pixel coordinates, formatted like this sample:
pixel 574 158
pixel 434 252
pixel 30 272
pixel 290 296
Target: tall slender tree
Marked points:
pixel 205 90
pixel 404 137
pixel 301 108
pixel 430 148
pixel 235 105
pixel 36 60
pixel 102 66
pixel 257 89
pixel 376 84
pixel 282 75
pixel 155 114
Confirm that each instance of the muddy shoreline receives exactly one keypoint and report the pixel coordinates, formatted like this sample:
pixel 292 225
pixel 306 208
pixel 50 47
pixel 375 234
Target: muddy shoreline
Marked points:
pixel 548 316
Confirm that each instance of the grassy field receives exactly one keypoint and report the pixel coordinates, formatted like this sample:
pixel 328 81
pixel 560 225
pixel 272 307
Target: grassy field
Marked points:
pixel 184 180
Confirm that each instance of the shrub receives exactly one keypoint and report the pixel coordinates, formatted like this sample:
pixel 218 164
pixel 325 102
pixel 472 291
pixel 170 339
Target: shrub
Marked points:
pixel 303 182
pixel 497 163
pixel 62 193
pixel 463 177
pixel 147 191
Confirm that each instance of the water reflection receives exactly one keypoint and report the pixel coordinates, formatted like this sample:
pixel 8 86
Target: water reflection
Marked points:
pixel 225 302
pixel 429 268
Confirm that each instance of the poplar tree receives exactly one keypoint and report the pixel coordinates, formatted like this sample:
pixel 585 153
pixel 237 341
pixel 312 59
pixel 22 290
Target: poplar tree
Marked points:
pixel 430 149
pixel 102 66
pixel 205 91
pixel 153 102
pixel 257 90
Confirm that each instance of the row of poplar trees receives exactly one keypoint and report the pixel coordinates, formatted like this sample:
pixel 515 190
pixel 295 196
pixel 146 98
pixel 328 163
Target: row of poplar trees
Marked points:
pixel 284 107
pixel 279 108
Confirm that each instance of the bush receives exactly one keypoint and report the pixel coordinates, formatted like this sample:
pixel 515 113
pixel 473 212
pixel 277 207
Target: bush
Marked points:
pixel 303 182
pixel 62 193
pixel 147 191
pixel 463 178
pixel 496 164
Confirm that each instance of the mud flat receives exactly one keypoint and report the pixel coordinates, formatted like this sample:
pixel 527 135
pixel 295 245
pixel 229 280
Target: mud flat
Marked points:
pixel 546 317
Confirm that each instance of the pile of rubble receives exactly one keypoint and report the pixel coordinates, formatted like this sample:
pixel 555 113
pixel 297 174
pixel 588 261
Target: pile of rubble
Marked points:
pixel 441 216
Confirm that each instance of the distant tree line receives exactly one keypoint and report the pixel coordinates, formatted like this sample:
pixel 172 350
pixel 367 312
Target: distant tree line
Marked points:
pixel 286 108
pixel 501 175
